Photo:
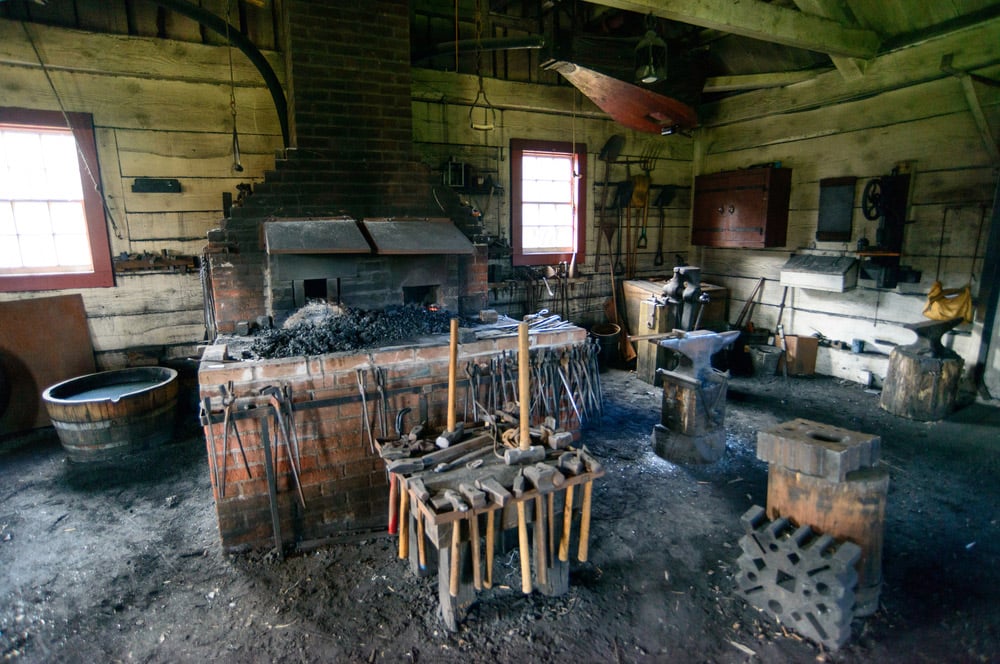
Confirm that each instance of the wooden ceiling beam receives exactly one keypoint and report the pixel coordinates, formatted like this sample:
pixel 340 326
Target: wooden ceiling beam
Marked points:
pixel 974 48
pixel 763 21
pixel 850 68
pixel 759 81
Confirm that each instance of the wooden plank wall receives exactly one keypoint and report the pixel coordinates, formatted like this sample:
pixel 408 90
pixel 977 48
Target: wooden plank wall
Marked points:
pixel 161 109
pixel 442 131
pixel 930 126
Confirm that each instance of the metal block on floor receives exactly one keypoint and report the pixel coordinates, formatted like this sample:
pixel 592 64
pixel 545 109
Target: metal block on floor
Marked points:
pixel 798 578
pixel 818 449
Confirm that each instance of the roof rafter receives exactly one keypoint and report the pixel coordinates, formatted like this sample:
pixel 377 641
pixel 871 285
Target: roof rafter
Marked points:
pixel 763 21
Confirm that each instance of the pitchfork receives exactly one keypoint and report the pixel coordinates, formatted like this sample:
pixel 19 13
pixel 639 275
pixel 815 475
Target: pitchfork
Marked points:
pixel 647 162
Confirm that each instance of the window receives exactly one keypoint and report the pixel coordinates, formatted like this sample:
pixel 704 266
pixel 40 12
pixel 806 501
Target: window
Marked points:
pixel 52 225
pixel 548 189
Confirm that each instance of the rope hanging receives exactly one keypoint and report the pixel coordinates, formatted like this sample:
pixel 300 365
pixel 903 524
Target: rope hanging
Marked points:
pixel 237 166
pixel 69 125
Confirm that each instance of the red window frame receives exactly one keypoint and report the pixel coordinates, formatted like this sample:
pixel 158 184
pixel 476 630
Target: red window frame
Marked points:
pixel 518 147
pixel 82 126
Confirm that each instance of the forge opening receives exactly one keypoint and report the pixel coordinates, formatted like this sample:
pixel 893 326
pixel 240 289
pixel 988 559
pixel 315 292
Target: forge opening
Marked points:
pixel 422 295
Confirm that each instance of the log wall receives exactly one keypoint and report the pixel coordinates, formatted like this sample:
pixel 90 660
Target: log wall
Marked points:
pixel 830 129
pixel 442 131
pixel 161 109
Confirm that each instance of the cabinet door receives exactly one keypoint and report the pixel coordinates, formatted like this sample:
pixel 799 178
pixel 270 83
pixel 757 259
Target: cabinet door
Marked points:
pixel 746 216
pixel 737 209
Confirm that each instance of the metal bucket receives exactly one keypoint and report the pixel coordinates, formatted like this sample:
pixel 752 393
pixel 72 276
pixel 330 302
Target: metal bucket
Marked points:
pixel 607 335
pixel 765 359
pixel 106 416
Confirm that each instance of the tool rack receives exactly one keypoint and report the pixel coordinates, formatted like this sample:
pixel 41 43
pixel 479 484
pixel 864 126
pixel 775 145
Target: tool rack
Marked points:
pixel 555 517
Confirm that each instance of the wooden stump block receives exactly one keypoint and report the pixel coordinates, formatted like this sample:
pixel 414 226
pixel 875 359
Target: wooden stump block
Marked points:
pixel 852 509
pixel 919 385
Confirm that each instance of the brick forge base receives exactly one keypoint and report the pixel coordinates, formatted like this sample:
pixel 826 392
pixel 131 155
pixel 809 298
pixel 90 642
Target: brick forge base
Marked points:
pixel 343 483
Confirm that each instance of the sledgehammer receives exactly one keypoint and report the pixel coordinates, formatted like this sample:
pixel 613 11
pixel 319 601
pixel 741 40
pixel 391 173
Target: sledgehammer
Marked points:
pixel 451 434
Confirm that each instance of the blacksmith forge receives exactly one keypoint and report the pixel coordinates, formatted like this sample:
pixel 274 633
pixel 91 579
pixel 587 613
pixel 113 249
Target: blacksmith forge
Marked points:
pixel 693 411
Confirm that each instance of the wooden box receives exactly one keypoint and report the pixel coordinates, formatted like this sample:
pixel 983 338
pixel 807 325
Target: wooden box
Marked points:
pixel 637 290
pixel 747 208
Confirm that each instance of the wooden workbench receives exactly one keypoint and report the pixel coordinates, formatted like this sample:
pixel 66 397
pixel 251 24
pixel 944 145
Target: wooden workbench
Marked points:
pixel 464 565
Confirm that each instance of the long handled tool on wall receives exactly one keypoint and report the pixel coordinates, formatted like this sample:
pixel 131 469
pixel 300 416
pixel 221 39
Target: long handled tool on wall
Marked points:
pixel 608 154
pixel 647 162
pixel 663 199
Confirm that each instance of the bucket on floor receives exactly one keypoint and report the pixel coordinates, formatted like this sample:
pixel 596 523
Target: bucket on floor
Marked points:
pixel 608 336
pixel 765 359
pixel 106 416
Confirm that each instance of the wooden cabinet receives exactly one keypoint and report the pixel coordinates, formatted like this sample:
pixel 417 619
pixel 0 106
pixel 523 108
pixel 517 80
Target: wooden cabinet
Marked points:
pixel 747 208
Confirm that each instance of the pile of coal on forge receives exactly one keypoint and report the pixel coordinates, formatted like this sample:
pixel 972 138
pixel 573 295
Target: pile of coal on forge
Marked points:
pixel 318 328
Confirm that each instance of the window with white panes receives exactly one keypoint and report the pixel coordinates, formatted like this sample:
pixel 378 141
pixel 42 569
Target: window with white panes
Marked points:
pixel 547 201
pixel 52 223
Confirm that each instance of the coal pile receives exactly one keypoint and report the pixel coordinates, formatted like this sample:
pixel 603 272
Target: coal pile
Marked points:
pixel 350 330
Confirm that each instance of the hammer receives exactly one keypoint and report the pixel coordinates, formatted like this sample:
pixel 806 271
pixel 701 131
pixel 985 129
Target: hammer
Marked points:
pixel 544 479
pixel 593 466
pixel 524 455
pixel 573 464
pixel 522 533
pixel 422 496
pixel 500 496
pixel 458 505
pixel 477 499
pixel 450 435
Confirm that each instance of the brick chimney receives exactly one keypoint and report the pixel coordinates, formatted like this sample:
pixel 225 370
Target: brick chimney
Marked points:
pixel 351 128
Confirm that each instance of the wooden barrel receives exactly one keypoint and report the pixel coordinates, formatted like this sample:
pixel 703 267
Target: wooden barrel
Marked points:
pixel 106 416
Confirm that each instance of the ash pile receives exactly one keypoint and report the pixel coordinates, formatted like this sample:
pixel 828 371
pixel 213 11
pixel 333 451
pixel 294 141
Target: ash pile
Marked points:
pixel 319 328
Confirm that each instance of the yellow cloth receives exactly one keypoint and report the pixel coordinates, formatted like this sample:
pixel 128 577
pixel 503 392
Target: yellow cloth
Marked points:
pixel 948 303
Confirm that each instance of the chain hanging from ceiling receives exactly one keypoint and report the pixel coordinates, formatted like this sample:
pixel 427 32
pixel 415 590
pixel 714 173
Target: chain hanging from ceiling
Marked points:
pixel 489 120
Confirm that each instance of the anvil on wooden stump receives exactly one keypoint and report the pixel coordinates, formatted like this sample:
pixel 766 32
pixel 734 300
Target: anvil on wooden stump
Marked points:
pixel 922 380
pixel 693 411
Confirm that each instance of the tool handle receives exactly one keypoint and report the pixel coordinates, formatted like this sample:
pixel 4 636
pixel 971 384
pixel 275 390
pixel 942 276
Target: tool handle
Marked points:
pixel 393 503
pixel 522 545
pixel 404 523
pixel 452 372
pixel 523 385
pixel 477 574
pixel 421 545
pixel 583 548
pixel 567 525
pixel 541 565
pixel 490 546
pixel 455 549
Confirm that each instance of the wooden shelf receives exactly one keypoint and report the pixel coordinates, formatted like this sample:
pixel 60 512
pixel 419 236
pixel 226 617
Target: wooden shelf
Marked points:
pixel 878 253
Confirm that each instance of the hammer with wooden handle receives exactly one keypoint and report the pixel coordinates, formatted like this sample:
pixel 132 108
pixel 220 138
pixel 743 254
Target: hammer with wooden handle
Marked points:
pixel 571 463
pixel 500 496
pixel 593 466
pixel 477 499
pixel 522 534
pixel 456 527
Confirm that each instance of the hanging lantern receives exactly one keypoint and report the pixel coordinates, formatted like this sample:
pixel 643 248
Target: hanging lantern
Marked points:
pixel 650 56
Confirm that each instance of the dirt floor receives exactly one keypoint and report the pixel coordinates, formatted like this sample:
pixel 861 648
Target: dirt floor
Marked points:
pixel 128 567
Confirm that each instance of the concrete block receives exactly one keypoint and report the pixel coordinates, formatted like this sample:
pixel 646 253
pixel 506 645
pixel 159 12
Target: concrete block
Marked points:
pixel 818 449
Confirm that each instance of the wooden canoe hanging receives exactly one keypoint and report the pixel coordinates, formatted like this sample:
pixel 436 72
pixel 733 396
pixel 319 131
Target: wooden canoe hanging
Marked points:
pixel 630 105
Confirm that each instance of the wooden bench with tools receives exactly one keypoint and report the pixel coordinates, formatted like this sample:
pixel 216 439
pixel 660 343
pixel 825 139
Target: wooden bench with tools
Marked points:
pixel 482 484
